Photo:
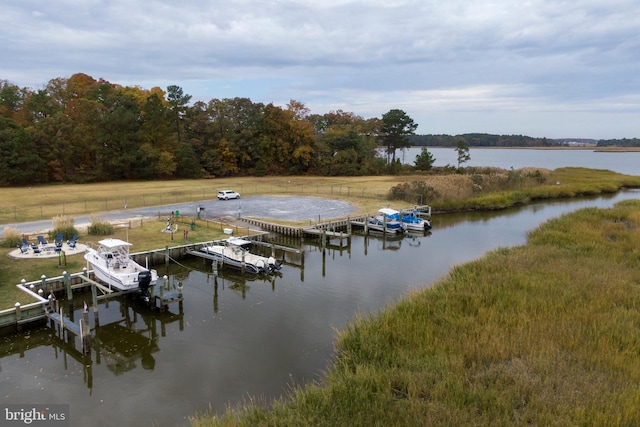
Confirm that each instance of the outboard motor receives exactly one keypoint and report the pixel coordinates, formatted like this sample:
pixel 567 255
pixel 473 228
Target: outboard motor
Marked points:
pixel 275 265
pixel 261 267
pixel 144 282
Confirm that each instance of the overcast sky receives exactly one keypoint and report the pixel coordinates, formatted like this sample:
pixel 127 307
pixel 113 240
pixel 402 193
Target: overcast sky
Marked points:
pixel 544 68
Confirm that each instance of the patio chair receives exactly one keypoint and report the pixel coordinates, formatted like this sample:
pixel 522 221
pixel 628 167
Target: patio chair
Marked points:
pixel 42 241
pixel 23 249
pixel 36 249
pixel 59 238
pixel 72 243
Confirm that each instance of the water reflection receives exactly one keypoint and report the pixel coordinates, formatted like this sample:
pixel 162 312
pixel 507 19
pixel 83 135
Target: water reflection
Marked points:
pixel 121 345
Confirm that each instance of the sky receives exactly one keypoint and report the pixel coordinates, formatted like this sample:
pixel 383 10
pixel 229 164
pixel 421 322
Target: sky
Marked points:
pixel 541 68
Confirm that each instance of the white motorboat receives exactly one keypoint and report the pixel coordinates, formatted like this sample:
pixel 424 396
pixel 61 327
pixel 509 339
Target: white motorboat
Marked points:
pixel 112 264
pixel 234 252
pixel 388 221
pixel 415 223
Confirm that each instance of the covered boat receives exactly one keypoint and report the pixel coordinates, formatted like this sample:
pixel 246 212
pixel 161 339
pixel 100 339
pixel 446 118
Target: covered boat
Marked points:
pixel 112 264
pixel 415 223
pixel 388 221
pixel 234 252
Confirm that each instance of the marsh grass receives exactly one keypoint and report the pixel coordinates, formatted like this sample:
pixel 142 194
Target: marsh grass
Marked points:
pixel 543 334
pixel 12 238
pixel 100 226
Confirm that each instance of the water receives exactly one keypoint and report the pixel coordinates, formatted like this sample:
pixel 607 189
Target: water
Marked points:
pixel 247 337
pixel 627 163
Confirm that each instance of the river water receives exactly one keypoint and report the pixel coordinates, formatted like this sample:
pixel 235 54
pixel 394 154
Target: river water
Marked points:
pixel 623 162
pixel 237 338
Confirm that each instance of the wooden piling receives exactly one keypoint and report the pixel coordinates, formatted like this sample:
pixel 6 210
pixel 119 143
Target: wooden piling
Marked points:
pixel 94 301
pixel 18 316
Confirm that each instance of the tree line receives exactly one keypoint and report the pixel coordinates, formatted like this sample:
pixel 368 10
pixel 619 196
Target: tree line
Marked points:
pixel 481 140
pixel 80 129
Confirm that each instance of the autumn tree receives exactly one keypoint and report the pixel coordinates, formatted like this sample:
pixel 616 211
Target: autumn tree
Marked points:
pixel 346 143
pixel 11 97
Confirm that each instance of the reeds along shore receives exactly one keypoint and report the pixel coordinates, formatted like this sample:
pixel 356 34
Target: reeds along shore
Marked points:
pixel 543 334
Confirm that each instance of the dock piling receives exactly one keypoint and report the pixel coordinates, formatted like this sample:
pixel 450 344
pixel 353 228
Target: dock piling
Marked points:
pixel 18 315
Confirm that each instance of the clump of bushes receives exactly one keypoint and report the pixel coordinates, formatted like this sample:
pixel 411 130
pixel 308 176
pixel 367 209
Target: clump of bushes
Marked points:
pixel 415 192
pixel 488 180
pixel 100 227
pixel 12 238
pixel 63 224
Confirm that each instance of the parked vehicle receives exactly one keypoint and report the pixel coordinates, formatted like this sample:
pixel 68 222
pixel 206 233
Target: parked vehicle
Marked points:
pixel 228 194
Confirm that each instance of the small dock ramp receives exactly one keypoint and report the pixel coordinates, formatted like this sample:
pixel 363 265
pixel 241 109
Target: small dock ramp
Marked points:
pixel 66 325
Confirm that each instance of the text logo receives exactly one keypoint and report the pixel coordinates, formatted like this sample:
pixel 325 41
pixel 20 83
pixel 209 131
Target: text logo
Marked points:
pixel 35 415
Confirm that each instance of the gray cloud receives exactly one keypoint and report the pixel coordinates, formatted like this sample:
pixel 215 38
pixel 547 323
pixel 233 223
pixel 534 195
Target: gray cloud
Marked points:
pixel 543 68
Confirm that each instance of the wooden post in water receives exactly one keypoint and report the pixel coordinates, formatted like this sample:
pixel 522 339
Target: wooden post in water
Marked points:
pixel 67 283
pixel 94 301
pixel 18 316
pixel 61 332
pixel 180 302
pixel 165 279
pixel 85 332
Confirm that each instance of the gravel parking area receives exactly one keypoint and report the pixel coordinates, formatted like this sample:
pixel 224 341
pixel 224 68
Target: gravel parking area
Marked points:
pixel 281 208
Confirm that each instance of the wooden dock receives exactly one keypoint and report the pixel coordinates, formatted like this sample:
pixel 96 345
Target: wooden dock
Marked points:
pixel 339 229
pixel 277 251
pixel 66 325
pixel 48 309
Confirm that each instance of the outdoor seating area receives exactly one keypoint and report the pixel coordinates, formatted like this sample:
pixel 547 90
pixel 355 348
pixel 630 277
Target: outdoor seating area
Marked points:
pixel 45 249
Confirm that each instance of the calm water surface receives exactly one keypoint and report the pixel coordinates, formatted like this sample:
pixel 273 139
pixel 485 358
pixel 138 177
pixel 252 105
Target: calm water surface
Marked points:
pixel 627 163
pixel 242 337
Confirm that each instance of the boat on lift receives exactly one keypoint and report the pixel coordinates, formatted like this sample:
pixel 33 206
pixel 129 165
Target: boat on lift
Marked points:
pixel 234 252
pixel 387 220
pixel 413 222
pixel 112 264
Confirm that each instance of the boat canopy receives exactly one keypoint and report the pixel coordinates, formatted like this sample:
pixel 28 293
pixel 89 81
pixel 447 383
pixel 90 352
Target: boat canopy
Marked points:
pixel 113 243
pixel 388 211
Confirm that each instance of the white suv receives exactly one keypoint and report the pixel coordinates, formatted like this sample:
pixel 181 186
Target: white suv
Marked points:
pixel 227 194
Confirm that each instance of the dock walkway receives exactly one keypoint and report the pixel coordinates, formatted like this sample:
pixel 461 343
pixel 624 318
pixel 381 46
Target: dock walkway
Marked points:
pixel 338 229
